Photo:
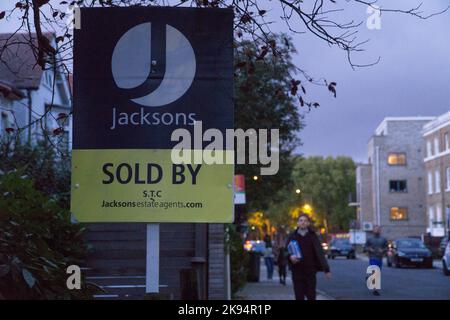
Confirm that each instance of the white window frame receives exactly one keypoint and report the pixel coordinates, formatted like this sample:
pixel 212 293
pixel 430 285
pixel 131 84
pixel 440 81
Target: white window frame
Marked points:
pixel 429 149
pixel 446 142
pixel 438 213
pixel 437 180
pixel 431 216
pixel 447 170
pixel 430 182
pixel 436 145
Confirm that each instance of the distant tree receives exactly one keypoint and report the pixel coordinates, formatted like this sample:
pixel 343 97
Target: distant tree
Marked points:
pixel 262 102
pixel 325 184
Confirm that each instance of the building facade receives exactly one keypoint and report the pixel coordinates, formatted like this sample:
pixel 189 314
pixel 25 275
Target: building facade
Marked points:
pixel 391 186
pixel 437 165
pixel 35 102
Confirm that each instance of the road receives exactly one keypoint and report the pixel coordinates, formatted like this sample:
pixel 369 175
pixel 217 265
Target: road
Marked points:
pixel 348 282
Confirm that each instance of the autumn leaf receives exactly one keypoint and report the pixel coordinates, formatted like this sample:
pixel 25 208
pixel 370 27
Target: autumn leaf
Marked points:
pixel 246 18
pixel 57 131
pixel 294 86
pixel 263 53
pixel 61 116
pixel 332 88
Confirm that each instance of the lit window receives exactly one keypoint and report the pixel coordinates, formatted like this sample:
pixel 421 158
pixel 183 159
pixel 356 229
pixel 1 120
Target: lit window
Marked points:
pixel 397 159
pixel 398 213
pixel 447 145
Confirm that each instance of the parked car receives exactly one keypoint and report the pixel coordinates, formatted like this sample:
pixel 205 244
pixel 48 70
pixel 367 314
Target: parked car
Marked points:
pixel 341 247
pixel 409 252
pixel 443 245
pixel 446 260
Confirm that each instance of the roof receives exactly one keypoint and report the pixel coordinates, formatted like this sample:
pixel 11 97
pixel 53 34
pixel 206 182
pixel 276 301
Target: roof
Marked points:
pixel 382 126
pixel 18 65
pixel 438 123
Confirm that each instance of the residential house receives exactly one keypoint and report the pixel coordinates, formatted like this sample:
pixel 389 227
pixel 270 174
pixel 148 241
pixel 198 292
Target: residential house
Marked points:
pixel 436 134
pixel 33 102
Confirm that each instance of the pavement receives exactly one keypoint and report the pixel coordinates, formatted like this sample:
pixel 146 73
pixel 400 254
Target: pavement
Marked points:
pixel 272 289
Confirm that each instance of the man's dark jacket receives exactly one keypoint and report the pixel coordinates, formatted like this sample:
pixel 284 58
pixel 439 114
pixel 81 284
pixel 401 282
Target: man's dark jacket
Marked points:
pixel 320 260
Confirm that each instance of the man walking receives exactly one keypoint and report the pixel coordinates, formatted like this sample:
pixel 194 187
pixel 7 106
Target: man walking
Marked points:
pixel 312 259
pixel 376 247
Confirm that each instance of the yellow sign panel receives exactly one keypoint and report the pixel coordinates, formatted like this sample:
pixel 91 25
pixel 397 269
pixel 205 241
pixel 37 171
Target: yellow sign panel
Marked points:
pixel 133 185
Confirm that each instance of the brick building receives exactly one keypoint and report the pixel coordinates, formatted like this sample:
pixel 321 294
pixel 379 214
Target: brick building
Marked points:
pixel 437 165
pixel 391 186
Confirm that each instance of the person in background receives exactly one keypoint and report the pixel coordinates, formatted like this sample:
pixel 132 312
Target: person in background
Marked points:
pixel 312 259
pixel 376 247
pixel 269 260
pixel 282 264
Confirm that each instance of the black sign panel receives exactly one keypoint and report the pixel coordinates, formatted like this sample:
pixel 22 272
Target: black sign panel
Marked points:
pixel 140 73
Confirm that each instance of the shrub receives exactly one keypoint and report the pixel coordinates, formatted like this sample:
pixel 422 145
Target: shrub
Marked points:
pixel 239 259
pixel 38 242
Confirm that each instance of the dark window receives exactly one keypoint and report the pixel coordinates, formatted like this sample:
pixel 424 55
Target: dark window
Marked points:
pixel 397 186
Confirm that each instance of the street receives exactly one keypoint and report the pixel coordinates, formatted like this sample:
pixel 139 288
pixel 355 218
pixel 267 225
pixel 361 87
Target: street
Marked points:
pixel 348 282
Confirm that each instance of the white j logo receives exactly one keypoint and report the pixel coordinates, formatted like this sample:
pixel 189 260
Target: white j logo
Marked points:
pixel 131 64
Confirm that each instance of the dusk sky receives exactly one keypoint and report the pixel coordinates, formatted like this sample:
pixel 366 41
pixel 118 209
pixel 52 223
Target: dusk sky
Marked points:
pixel 412 78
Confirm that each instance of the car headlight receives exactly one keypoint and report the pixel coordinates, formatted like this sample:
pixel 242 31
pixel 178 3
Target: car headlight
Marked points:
pixel 401 254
